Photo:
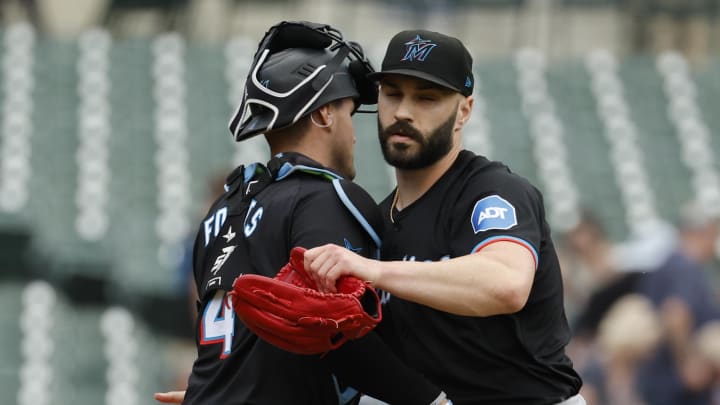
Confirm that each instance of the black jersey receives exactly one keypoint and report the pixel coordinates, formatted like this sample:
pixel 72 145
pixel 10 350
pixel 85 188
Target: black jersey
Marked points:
pixel 504 359
pixel 251 229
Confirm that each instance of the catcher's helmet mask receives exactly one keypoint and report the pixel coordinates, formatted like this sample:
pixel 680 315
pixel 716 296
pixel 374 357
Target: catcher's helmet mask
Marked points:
pixel 298 67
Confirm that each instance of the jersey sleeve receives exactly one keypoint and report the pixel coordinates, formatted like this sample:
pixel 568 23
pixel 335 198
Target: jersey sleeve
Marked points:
pixel 321 217
pixel 493 209
pixel 369 366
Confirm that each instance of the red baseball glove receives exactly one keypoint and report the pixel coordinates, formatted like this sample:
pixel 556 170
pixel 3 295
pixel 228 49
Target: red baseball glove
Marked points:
pixel 289 311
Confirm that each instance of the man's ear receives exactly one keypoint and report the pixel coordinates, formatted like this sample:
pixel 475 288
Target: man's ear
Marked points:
pixel 464 110
pixel 323 116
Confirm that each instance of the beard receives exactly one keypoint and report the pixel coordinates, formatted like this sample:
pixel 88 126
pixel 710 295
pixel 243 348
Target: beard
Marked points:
pixel 430 149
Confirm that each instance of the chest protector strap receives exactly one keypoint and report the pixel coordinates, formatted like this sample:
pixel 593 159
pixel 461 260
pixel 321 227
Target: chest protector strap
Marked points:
pixel 245 182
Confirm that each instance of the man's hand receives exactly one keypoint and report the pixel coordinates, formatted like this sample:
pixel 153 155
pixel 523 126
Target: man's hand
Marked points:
pixel 327 263
pixel 170 397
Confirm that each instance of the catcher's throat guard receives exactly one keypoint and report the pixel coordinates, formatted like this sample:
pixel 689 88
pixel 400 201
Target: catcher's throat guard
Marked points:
pixel 289 312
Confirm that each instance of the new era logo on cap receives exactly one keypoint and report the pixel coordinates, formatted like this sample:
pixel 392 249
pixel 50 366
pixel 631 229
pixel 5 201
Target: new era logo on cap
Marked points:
pixel 431 56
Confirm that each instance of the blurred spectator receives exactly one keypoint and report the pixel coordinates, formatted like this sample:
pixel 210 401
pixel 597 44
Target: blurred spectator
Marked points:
pixel 586 251
pixel 681 291
pixel 610 270
pixel 707 342
pixel 600 271
pixel 627 334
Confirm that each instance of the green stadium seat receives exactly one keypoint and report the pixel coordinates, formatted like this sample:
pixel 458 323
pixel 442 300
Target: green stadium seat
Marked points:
pixel 510 134
pixel 707 83
pixel 668 176
pixel 588 150
pixel 10 338
pixel 79 361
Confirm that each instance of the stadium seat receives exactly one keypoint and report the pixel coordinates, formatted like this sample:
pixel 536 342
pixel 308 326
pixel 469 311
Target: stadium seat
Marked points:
pixel 510 134
pixel 668 177
pixel 588 150
pixel 10 337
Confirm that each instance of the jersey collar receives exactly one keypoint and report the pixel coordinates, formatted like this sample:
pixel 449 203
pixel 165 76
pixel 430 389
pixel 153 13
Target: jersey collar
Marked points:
pixel 284 164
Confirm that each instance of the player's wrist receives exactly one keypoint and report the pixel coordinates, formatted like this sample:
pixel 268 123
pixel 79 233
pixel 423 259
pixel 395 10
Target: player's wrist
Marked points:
pixel 376 273
pixel 369 271
pixel 386 273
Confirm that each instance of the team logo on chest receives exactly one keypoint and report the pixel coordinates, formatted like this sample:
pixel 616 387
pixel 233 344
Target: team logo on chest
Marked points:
pixel 493 212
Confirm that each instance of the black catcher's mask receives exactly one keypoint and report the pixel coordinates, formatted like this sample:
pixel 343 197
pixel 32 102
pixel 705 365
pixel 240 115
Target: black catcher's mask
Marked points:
pixel 298 67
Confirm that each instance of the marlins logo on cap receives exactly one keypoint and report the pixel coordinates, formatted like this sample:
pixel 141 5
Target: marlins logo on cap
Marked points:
pixel 431 56
pixel 418 49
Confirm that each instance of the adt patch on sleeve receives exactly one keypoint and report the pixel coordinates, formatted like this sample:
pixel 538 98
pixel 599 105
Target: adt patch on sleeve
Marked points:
pixel 493 212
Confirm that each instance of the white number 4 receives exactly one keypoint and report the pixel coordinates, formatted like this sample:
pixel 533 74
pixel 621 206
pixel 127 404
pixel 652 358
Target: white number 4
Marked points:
pixel 218 323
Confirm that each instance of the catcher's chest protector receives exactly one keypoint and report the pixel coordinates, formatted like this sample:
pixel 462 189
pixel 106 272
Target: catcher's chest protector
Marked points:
pixel 235 215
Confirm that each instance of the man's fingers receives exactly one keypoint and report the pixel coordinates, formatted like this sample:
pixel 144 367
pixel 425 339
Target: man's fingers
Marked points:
pixel 325 265
pixel 313 264
pixel 331 279
pixel 170 397
pixel 319 263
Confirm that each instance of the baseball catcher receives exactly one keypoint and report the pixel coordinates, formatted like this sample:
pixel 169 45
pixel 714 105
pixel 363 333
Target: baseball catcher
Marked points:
pixel 302 89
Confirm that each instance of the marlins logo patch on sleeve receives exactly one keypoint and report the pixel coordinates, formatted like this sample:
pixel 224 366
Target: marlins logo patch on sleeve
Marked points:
pixel 493 212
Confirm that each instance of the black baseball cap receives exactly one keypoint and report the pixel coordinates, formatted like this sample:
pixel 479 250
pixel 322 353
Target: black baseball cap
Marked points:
pixel 431 56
